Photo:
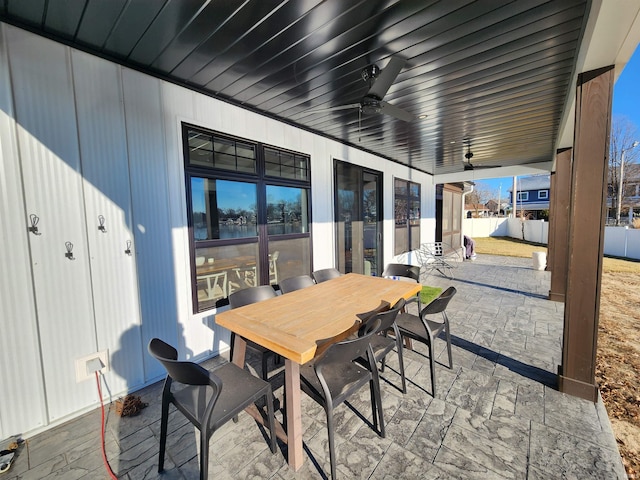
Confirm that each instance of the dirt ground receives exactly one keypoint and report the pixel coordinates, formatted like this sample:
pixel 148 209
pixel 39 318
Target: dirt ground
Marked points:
pixel 618 360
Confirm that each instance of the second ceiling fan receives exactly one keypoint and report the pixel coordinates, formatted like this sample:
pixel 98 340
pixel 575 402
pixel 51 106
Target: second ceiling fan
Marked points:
pixel 468 156
pixel 379 83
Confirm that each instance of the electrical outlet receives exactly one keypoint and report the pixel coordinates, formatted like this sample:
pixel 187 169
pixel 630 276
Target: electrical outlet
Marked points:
pixel 87 365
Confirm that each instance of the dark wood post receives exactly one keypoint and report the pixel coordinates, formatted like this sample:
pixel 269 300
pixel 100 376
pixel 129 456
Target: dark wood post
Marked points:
pixel 559 228
pixel 586 232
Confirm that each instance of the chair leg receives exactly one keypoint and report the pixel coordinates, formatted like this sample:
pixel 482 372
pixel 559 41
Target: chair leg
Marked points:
pixel 204 454
pixel 265 369
pixel 432 363
pixel 448 337
pixel 401 366
pixel 164 419
pixel 332 447
pixel 376 402
pixel 271 419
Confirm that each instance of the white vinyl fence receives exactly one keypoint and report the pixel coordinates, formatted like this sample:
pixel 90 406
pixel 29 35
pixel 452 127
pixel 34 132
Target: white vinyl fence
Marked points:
pixel 618 241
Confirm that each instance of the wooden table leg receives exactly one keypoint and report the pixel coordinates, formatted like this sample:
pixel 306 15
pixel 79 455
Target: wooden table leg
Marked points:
pixel 239 350
pixel 294 413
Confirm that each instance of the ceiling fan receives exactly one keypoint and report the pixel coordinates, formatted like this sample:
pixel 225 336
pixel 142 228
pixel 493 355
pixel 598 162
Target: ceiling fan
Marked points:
pixel 468 156
pixel 379 83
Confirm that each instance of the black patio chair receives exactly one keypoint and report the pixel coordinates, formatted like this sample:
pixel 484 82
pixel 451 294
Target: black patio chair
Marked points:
pixel 335 375
pixel 382 344
pixel 402 270
pixel 207 399
pixel 248 296
pixel 325 274
pixel 296 283
pixel 424 330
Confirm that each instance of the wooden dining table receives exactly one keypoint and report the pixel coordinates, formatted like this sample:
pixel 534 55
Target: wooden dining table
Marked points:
pixel 299 324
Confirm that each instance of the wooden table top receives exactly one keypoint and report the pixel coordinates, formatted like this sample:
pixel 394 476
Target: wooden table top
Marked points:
pixel 293 325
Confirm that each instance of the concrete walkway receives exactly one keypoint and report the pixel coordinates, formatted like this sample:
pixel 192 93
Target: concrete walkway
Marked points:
pixel 496 415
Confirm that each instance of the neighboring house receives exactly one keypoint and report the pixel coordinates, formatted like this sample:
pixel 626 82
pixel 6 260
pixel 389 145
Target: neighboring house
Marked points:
pixel 533 196
pixel 476 210
pixel 492 206
pixel 631 195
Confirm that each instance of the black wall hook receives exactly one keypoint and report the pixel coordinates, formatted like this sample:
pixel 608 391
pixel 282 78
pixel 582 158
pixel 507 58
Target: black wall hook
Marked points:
pixel 101 226
pixel 69 253
pixel 34 219
pixel 128 250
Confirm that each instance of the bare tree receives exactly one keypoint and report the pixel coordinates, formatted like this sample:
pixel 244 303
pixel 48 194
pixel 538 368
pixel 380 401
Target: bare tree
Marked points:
pixel 622 153
pixel 480 196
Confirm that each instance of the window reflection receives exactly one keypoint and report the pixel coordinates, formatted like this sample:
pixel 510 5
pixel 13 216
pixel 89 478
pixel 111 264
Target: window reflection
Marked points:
pixel 287 210
pixel 223 209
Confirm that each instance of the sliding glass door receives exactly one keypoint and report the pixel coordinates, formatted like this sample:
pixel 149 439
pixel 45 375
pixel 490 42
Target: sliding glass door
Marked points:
pixel 358 217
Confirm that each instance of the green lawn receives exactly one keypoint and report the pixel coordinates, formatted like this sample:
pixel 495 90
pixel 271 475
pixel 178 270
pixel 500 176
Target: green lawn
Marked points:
pixel 513 247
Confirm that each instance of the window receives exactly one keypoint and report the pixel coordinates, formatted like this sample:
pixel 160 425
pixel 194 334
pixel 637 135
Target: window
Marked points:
pixel 407 216
pixel 543 194
pixel 249 214
pixel 523 196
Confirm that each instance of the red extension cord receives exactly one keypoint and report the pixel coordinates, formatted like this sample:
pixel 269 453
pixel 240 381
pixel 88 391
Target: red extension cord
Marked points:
pixel 104 453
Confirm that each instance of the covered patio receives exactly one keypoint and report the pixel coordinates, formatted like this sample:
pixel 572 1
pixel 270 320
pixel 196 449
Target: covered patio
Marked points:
pixel 152 152
pixel 497 414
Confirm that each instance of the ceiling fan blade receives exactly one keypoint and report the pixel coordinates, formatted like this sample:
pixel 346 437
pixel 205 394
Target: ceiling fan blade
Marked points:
pixel 397 112
pixel 470 166
pixel 334 109
pixel 387 77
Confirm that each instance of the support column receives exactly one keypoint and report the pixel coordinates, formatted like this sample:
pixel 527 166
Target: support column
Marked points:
pixel 586 232
pixel 559 228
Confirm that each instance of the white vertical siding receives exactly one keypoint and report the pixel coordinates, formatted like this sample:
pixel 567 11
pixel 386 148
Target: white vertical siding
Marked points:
pixel 47 137
pixel 178 105
pixel 22 405
pixel 105 170
pixel 150 201
pixel 92 138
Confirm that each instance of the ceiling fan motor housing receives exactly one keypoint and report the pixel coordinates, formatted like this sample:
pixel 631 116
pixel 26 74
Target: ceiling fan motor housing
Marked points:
pixel 370 72
pixel 370 105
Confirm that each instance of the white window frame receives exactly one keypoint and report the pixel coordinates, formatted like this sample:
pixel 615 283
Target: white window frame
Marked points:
pixel 543 194
pixel 523 196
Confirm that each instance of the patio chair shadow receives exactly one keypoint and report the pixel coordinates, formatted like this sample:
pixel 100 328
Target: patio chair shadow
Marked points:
pixel 531 372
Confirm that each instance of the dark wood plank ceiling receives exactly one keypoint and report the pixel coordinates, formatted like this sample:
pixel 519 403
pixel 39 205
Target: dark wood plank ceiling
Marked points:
pixel 493 72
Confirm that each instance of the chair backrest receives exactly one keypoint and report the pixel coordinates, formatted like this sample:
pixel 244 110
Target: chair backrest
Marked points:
pixel 348 350
pixel 187 373
pixel 250 295
pixel 402 270
pixel 295 283
pixel 325 274
pixel 440 303
pixel 386 318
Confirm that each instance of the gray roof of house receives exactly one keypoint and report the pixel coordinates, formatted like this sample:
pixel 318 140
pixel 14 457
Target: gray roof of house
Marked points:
pixel 535 182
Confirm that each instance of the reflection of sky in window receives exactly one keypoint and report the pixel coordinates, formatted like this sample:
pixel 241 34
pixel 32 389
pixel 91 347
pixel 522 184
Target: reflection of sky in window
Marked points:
pixel 277 194
pixel 236 195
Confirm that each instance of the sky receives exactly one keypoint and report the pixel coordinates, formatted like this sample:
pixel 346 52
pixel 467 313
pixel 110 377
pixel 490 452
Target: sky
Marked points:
pixel 626 101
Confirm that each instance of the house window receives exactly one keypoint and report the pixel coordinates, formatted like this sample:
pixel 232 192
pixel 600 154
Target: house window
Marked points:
pixel 543 194
pixel 248 213
pixel 523 196
pixel 407 216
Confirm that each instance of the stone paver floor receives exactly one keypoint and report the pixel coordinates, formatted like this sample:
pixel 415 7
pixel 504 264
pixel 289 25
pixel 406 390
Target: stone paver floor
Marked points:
pixel 496 414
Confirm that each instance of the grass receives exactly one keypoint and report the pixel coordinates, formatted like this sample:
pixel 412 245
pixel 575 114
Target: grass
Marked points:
pixel 513 247
pixel 429 294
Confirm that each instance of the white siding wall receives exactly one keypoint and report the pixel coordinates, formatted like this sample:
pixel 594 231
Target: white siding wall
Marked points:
pixel 20 364
pixel 105 170
pixel 52 182
pixel 92 138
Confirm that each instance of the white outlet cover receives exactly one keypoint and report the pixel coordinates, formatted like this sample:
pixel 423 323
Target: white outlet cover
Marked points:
pixel 81 365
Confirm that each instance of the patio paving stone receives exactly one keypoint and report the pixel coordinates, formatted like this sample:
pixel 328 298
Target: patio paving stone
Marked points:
pixel 496 415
